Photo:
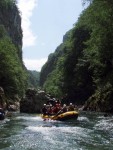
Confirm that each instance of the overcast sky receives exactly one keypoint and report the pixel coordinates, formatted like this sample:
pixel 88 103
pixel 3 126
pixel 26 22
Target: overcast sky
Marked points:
pixel 44 22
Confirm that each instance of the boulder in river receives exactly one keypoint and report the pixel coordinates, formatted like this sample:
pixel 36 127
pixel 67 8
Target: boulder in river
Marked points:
pixel 33 101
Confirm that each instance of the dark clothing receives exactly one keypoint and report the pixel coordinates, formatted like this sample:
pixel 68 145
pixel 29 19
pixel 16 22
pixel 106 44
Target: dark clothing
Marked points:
pixel 44 111
pixel 2 111
pixel 64 109
pixel 2 114
pixel 71 108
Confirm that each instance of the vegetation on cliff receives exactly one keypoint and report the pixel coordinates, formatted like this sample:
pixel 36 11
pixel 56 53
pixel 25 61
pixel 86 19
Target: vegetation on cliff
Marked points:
pixel 12 72
pixel 81 67
pixel 33 79
pixel 12 75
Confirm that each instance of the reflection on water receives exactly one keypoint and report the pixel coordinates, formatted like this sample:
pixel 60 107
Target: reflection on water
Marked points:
pixel 29 132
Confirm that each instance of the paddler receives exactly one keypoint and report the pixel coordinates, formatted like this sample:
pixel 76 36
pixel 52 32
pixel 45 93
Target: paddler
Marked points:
pixel 44 110
pixel 71 107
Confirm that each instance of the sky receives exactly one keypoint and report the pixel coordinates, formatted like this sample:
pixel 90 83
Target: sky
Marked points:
pixel 44 23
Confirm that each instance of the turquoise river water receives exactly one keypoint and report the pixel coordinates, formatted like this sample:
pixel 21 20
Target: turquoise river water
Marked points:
pixel 91 131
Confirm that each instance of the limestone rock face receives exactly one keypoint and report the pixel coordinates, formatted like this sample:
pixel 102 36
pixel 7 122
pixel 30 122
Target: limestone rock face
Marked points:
pixel 10 18
pixel 33 101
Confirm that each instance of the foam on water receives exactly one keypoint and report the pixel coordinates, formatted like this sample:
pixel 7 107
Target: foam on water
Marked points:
pixel 83 119
pixel 4 121
pixel 30 132
pixel 61 136
pixel 53 129
pixel 35 118
pixel 104 124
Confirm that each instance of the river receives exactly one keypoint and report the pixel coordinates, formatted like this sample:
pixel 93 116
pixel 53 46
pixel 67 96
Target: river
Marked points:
pixel 91 131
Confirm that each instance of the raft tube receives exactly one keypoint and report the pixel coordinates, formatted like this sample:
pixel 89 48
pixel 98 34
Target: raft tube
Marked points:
pixel 62 117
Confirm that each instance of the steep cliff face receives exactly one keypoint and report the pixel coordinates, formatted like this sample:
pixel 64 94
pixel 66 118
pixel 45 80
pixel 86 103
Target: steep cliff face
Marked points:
pixel 10 18
pixel 50 65
pixel 13 76
pixel 84 72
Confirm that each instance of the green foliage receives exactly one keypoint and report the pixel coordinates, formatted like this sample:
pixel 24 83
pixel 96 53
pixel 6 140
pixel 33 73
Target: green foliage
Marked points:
pixel 78 83
pixel 99 50
pixel 33 79
pixel 87 58
pixel 54 82
pixel 12 75
pixel 51 63
pixel 3 32
pixel 100 46
pixel 101 100
pixel 7 3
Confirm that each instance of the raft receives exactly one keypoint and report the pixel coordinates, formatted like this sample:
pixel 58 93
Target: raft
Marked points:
pixel 63 116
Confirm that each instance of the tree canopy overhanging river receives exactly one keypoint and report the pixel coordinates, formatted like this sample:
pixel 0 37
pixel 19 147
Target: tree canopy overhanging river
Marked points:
pixel 91 131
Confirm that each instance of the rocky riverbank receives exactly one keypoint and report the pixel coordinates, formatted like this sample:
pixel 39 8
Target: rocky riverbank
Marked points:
pixel 8 103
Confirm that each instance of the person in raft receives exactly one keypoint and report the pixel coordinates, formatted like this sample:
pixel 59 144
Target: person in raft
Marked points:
pixel 44 110
pixel 71 107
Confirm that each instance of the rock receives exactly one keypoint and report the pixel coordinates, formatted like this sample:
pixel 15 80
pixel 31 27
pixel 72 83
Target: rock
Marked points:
pixel 30 92
pixel 14 106
pixel 1 91
pixel 33 101
pixel 2 99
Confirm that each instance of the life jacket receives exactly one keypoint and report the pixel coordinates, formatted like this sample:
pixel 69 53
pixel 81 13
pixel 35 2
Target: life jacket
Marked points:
pixel 55 109
pixel 50 111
